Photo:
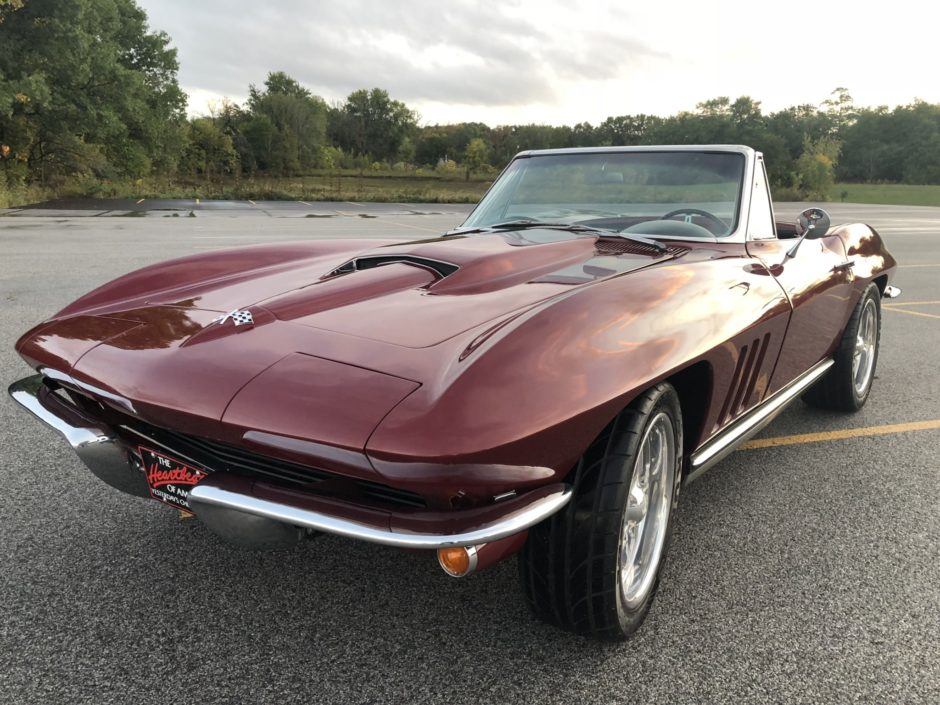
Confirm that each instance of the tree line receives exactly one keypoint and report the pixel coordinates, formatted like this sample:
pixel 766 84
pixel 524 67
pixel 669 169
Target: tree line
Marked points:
pixel 88 91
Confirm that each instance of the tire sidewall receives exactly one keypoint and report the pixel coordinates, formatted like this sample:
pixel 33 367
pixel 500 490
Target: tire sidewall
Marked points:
pixel 871 293
pixel 665 401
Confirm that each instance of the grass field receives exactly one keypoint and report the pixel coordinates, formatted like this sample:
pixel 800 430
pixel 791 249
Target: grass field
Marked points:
pixel 398 187
pixel 888 194
pixel 348 186
pixel 322 186
pixel 401 187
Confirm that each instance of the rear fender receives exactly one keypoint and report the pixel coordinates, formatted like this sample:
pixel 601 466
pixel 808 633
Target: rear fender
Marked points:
pixel 865 248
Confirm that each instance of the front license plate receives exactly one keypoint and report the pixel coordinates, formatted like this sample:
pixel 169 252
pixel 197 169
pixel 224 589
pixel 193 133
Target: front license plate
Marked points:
pixel 169 480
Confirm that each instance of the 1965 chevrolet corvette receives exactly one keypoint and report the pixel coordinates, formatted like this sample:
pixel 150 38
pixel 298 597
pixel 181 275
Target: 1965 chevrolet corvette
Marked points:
pixel 606 324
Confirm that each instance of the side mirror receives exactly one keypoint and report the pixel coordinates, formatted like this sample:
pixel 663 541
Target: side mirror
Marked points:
pixel 815 223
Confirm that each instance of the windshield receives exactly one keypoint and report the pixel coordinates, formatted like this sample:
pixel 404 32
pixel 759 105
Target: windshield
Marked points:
pixel 674 194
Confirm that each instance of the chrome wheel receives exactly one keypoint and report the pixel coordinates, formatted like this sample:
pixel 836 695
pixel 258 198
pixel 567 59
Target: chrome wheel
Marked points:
pixel 863 358
pixel 593 567
pixel 646 516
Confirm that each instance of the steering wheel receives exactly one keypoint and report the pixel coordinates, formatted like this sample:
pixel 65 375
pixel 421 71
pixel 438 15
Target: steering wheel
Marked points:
pixel 711 217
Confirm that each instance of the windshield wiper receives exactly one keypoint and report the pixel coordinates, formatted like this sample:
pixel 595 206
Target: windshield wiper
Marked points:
pixel 520 224
pixel 570 227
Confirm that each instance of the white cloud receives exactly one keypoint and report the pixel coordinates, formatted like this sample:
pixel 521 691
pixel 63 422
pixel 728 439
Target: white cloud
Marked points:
pixel 555 62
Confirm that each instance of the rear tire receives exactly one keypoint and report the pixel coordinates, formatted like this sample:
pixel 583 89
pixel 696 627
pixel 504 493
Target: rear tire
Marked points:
pixel 846 386
pixel 593 568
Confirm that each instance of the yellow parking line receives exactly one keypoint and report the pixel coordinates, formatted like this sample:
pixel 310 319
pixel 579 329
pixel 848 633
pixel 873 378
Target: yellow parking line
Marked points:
pixel 840 435
pixel 140 201
pixel 911 303
pixel 912 313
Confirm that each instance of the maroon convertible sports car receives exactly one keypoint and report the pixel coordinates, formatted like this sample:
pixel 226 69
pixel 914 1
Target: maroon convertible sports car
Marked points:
pixel 605 325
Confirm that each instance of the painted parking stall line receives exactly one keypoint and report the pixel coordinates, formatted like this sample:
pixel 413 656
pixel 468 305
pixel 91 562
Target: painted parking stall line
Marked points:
pixel 823 436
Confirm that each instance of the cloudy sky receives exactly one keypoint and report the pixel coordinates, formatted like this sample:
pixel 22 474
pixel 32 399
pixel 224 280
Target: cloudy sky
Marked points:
pixel 520 61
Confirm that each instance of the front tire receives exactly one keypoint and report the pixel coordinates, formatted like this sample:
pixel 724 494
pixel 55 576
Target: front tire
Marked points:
pixel 846 386
pixel 593 568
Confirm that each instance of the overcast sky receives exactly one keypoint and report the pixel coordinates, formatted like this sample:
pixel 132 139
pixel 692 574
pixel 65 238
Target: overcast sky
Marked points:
pixel 520 61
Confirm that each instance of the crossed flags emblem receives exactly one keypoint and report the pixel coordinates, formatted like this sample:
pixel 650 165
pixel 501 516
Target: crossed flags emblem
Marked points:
pixel 240 318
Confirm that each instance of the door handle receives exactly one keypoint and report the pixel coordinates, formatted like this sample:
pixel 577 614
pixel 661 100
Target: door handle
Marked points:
pixel 844 266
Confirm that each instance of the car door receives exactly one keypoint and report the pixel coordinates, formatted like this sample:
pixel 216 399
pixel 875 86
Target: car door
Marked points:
pixel 817 281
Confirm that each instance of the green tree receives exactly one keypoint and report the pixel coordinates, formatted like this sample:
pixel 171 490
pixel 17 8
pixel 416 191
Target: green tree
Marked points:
pixel 584 135
pixel 789 129
pixel 286 128
pixel 840 109
pixel 229 117
pixel 86 87
pixel 869 152
pixel 431 145
pixel 371 123
pixel 816 168
pixel 460 135
pixel 209 150
pixel 626 130
pixel 8 6
pixel 474 157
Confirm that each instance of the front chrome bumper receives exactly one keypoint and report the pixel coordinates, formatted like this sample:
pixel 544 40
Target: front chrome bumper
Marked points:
pixel 221 498
pixel 255 512
pixel 95 443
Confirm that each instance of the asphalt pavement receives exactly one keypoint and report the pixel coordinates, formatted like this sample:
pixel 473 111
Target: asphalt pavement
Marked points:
pixel 804 573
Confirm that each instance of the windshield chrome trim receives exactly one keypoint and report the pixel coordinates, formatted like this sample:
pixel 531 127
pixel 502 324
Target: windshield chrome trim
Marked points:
pixel 732 148
pixel 738 235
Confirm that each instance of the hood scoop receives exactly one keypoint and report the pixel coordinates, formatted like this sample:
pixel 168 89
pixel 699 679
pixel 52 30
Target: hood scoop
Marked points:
pixel 358 264
pixel 351 286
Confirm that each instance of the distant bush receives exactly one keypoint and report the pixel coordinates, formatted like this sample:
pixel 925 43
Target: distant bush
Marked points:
pixel 15 192
pixel 446 166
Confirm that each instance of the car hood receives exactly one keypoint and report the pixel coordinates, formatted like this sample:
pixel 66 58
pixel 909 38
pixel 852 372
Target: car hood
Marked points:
pixel 420 294
pixel 414 294
pixel 325 327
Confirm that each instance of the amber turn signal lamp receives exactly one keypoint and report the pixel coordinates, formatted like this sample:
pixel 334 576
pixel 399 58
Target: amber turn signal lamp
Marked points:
pixel 457 561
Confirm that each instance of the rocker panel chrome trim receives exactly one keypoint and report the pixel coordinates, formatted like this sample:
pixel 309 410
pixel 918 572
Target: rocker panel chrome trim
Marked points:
pixel 725 441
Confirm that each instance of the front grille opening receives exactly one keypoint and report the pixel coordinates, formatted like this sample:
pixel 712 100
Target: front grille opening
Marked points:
pixel 222 457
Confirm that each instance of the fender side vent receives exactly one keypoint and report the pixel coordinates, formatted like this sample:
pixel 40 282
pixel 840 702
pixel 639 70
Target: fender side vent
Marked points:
pixel 744 379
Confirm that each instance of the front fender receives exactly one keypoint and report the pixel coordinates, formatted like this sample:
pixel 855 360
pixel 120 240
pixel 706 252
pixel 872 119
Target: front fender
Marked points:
pixel 545 383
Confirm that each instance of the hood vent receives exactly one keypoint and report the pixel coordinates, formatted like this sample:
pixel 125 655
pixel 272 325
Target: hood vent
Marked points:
pixel 626 247
pixel 441 269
